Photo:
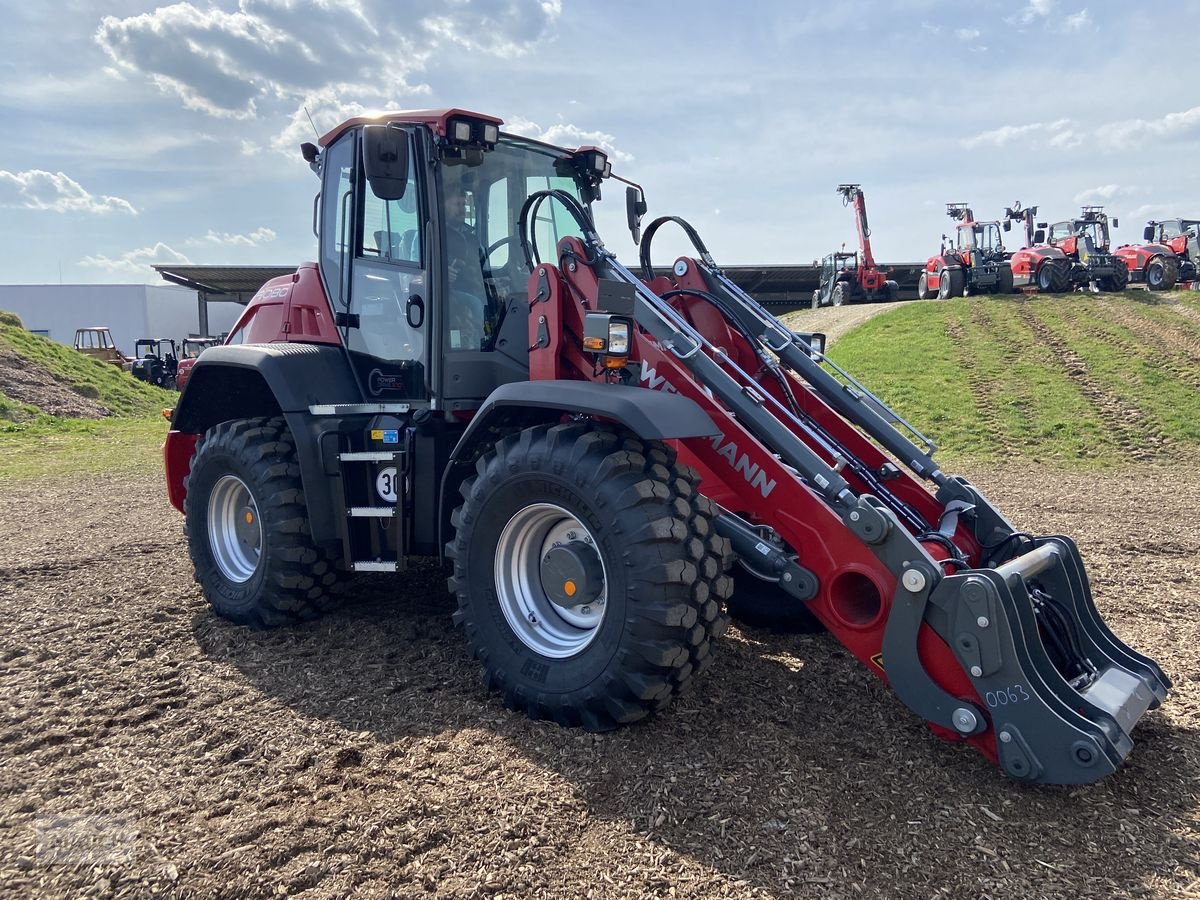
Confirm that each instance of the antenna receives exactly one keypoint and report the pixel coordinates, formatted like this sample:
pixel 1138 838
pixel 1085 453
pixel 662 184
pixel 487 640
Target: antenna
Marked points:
pixel 312 123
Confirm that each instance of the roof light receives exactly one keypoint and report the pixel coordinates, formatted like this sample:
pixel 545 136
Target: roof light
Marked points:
pixel 491 133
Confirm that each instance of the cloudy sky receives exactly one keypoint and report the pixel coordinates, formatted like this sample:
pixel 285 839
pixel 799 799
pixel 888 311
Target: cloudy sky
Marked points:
pixel 139 133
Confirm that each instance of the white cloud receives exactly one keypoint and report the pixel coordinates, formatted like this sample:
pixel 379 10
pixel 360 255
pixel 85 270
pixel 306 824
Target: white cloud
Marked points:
pixel 1078 21
pixel 260 235
pixel 227 63
pixel 967 34
pixel 567 135
pixel 1036 9
pixel 136 262
pixel 1104 193
pixel 1135 132
pixel 57 191
pixel 1053 132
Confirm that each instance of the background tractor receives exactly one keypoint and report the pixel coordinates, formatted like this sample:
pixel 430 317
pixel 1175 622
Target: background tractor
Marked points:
pixel 1085 242
pixel 96 341
pixel 1037 266
pixel 189 353
pixel 1153 264
pixel 854 277
pixel 1180 236
pixel 155 362
pixel 604 459
pixel 974 261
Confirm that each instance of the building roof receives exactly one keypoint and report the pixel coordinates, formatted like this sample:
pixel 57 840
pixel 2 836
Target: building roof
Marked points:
pixel 238 283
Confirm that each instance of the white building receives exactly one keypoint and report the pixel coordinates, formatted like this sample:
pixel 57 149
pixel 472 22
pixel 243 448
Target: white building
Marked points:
pixel 131 311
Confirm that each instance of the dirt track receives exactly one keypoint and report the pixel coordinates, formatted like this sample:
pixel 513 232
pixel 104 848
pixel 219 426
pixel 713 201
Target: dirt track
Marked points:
pixel 146 745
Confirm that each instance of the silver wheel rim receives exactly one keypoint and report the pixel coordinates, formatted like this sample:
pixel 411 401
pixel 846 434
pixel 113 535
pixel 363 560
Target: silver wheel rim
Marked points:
pixel 543 626
pixel 235 532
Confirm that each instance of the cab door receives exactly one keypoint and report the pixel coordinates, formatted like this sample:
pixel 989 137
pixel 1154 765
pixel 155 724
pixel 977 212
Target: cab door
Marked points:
pixel 374 265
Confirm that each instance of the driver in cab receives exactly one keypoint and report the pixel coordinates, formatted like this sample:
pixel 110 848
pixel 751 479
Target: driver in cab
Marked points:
pixel 464 265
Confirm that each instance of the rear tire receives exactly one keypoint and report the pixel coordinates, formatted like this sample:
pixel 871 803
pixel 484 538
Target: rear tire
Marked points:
pixel 816 299
pixel 247 527
pixel 1161 274
pixel 1053 278
pixel 652 560
pixel 923 292
pixel 951 284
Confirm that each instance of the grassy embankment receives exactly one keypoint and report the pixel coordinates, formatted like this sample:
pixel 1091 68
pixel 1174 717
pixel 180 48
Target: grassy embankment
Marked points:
pixel 1083 380
pixel 34 444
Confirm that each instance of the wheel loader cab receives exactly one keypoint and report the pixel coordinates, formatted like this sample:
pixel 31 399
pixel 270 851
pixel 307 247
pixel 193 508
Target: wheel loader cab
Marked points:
pixel 428 288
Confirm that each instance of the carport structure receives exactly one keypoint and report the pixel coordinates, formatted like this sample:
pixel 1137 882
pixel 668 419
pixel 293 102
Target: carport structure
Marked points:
pixel 221 284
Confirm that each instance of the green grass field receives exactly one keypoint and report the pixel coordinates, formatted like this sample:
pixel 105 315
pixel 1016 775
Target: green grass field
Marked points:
pixel 1079 380
pixel 33 444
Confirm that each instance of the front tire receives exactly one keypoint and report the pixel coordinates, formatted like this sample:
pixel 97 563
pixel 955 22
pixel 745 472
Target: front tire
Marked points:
pixel 923 292
pixel 588 574
pixel 247 527
pixel 1161 274
pixel 1053 278
pixel 1118 280
pixel 841 294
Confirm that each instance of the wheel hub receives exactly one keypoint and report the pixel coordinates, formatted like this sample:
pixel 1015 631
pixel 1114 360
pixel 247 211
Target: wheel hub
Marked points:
pixel 550 580
pixel 572 575
pixel 235 534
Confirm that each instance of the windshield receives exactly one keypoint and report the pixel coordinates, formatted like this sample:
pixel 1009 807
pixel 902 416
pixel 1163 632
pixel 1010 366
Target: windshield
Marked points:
pixel 1095 231
pixel 493 193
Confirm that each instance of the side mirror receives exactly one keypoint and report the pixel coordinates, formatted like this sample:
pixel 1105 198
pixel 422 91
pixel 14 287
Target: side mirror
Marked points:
pixel 1116 223
pixel 1039 236
pixel 1148 233
pixel 635 208
pixel 385 160
pixel 1007 225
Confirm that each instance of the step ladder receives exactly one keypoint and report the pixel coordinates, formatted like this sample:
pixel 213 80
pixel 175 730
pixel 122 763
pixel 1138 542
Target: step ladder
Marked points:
pixel 375 532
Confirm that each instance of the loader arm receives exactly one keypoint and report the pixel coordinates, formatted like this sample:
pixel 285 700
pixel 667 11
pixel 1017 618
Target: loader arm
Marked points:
pixel 989 634
pixel 853 196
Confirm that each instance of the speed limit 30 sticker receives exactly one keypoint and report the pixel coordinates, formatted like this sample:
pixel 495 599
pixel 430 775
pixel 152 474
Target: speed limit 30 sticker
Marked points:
pixel 385 484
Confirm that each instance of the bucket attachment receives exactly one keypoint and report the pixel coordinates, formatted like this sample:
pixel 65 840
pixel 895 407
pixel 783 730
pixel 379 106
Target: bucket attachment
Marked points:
pixel 1062 692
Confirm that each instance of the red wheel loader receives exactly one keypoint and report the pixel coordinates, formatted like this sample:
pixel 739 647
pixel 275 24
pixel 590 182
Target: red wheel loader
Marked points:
pixel 468 370
pixel 854 277
pixel 974 261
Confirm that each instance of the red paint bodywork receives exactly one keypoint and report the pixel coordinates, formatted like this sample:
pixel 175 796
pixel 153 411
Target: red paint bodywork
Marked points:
pixel 434 119
pixel 177 460
pixel 774 496
pixel 1138 256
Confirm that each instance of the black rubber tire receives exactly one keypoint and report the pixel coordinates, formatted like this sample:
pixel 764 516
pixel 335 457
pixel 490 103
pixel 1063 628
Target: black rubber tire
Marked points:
pixel 952 283
pixel 816 299
pixel 666 568
pixel 841 294
pixel 1118 280
pixel 1053 278
pixel 295 580
pixel 891 291
pixel 1005 283
pixel 923 292
pixel 1161 274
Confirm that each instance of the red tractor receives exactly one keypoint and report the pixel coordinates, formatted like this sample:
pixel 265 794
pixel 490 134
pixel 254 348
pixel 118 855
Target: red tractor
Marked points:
pixel 854 277
pixel 605 458
pixel 1085 241
pixel 1036 266
pixel 1180 236
pixel 974 262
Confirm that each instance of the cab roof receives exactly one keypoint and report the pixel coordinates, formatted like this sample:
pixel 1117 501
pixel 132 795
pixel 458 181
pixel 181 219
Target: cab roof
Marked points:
pixel 434 118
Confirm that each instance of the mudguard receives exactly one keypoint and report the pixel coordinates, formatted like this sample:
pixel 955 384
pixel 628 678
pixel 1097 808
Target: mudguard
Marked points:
pixel 243 381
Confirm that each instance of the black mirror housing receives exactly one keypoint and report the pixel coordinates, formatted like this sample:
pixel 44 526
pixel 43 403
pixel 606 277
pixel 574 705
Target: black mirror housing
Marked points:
pixel 1148 233
pixel 1039 236
pixel 635 208
pixel 1116 223
pixel 1007 225
pixel 385 160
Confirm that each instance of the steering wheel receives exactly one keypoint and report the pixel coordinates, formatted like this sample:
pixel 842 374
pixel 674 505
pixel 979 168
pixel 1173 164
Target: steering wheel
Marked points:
pixel 510 239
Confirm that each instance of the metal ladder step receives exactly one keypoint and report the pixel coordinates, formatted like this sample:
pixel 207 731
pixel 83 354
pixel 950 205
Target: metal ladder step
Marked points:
pixel 370 456
pixel 371 512
pixel 374 566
